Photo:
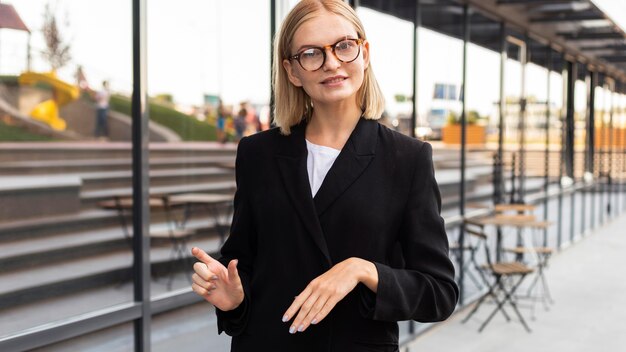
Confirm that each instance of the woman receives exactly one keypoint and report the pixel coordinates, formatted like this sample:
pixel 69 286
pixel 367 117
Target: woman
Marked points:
pixel 336 233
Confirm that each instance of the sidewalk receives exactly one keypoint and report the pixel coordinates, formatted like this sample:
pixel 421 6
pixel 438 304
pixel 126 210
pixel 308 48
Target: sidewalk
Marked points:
pixel 588 285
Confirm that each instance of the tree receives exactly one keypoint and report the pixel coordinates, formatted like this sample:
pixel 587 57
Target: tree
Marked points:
pixel 57 51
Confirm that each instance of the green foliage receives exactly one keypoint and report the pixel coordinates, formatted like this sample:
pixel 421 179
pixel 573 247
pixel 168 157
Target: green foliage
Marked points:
pixel 401 98
pixel 187 127
pixel 453 118
pixel 16 134
pixel 164 98
pixel 472 118
pixel 57 52
pixel 10 80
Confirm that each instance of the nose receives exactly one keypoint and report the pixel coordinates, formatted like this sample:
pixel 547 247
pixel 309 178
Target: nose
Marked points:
pixel 332 62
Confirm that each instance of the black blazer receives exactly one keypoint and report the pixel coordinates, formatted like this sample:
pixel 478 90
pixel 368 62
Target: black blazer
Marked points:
pixel 379 202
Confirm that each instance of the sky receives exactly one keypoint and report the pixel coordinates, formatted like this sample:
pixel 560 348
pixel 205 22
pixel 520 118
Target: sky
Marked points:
pixel 198 47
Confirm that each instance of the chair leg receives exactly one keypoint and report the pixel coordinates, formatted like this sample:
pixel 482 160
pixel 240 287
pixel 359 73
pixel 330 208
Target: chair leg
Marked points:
pixel 546 288
pixel 492 293
pixel 499 307
pixel 186 259
pixel 475 309
pixel 508 297
pixel 474 280
pixel 540 279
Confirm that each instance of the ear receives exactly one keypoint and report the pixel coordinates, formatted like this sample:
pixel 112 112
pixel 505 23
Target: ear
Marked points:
pixel 366 54
pixel 291 74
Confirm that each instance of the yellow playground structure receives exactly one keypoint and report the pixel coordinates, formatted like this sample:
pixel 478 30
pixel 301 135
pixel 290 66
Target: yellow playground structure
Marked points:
pixel 62 94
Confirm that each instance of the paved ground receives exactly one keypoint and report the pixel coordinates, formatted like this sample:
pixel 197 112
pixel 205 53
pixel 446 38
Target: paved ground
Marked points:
pixel 588 284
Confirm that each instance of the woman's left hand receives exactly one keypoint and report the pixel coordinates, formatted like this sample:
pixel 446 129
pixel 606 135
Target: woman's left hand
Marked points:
pixel 324 292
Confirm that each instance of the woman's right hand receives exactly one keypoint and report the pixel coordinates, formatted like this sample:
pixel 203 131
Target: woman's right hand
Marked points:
pixel 217 284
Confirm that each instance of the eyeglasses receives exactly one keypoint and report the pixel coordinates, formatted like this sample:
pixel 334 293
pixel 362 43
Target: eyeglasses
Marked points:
pixel 313 58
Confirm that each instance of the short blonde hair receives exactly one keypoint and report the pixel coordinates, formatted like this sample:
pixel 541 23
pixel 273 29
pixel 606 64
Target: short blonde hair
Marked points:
pixel 292 104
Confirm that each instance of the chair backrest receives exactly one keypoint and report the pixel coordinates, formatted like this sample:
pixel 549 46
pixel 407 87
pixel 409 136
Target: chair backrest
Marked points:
pixel 515 212
pixel 516 217
pixel 519 208
pixel 477 230
pixel 522 213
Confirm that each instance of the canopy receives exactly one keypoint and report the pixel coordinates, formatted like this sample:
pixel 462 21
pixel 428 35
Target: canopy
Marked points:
pixel 10 19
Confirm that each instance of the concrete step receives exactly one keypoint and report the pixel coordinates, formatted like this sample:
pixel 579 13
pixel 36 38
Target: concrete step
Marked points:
pixel 89 150
pixel 29 197
pixel 47 167
pixel 115 179
pixel 85 220
pixel 484 193
pixel 89 199
pixel 47 281
pixel 448 179
pixel 32 252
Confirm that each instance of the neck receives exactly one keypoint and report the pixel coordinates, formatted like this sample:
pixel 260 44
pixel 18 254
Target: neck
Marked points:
pixel 332 125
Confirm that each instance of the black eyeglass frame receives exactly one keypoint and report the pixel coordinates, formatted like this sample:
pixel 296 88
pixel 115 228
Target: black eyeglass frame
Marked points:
pixel 358 42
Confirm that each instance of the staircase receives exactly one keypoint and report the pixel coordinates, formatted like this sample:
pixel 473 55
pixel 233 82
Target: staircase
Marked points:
pixel 58 247
pixel 55 240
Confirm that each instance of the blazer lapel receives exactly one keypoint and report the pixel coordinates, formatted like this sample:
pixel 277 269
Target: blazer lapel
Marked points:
pixel 354 158
pixel 291 159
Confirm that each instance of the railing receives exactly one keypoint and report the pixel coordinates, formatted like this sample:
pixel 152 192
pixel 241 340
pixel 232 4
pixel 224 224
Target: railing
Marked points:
pixel 598 201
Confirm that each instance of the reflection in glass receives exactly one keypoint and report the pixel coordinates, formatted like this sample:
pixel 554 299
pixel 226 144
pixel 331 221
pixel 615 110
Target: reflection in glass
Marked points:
pixel 63 251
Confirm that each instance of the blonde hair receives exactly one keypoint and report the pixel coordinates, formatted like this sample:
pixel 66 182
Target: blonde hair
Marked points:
pixel 292 104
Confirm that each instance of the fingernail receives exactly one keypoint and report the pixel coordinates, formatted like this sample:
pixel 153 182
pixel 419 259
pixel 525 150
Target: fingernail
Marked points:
pixel 285 318
pixel 301 328
pixel 214 277
pixel 314 321
pixel 292 330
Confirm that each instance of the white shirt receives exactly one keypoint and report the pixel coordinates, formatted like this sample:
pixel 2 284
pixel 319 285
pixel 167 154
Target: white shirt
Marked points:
pixel 318 161
pixel 102 99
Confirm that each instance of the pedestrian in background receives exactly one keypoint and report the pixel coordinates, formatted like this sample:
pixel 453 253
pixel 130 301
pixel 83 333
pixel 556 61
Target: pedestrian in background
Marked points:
pixel 102 98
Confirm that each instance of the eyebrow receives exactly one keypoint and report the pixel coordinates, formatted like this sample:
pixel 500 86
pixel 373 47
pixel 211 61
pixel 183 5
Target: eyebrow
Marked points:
pixel 307 46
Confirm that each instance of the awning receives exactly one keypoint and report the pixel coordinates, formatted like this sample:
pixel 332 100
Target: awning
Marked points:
pixel 576 28
pixel 10 19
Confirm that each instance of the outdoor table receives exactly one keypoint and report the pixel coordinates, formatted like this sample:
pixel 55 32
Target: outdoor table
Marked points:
pixel 521 222
pixel 123 204
pixel 510 221
pixel 176 232
pixel 219 205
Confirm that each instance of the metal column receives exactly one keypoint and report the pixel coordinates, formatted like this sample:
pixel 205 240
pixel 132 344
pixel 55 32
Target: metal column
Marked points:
pixel 572 69
pixel 417 23
pixel 466 37
pixel 569 119
pixel 141 211
pixel 559 239
pixel 272 34
pixel 546 165
pixel 592 77
pixel 499 188
pixel 609 210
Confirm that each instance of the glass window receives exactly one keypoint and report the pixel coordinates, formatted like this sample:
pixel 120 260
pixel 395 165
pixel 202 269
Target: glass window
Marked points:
pixel 209 86
pixel 65 156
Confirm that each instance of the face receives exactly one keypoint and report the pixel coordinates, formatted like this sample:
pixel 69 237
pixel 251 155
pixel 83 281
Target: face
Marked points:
pixel 335 81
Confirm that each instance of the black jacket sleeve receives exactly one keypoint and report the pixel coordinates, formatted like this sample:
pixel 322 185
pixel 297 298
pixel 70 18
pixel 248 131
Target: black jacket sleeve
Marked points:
pixel 424 290
pixel 240 245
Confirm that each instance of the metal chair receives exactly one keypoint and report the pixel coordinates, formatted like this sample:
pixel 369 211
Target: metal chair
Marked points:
pixel 534 247
pixel 507 277
pixel 470 247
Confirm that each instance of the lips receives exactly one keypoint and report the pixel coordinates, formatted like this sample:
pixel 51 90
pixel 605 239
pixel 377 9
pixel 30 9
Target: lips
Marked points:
pixel 334 79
